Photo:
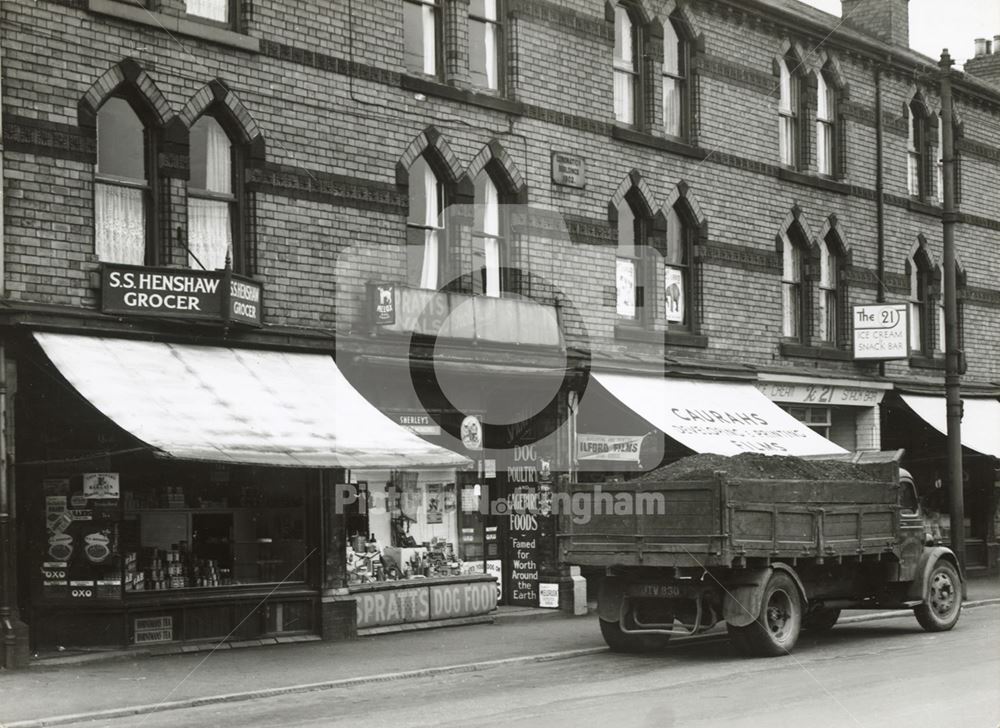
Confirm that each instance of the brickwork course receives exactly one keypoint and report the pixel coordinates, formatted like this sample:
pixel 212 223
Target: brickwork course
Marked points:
pixel 330 119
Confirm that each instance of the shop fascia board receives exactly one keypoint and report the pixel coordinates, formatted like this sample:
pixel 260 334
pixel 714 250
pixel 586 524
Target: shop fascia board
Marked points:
pixel 832 381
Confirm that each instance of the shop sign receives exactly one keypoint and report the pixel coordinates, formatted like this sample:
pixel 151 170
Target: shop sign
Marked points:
pixel 472 433
pixel 82 589
pixel 100 485
pixel 619 448
pixel 418 424
pixel 494 568
pixel 820 394
pixel 569 170
pixel 179 293
pixel 392 606
pixel 148 630
pixel 880 332
pixel 524 566
pixel 385 305
pixel 462 600
pixel 548 596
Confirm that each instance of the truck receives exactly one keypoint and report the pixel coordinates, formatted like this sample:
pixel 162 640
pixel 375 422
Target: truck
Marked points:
pixel 768 556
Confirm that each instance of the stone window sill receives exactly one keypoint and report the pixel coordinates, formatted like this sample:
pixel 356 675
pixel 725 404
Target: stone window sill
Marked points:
pixel 635 332
pixel 806 351
pixel 919 361
pixel 181 26
pixel 656 142
pixel 430 87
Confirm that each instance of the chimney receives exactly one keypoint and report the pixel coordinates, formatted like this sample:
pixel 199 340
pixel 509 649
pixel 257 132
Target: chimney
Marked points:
pixel 986 64
pixel 887 20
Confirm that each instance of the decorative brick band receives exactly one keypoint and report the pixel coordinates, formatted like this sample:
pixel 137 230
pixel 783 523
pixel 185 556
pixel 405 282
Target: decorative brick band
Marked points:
pixel 737 256
pixel 979 149
pixel 725 70
pixel 574 23
pixel 981 296
pixel 303 184
pixel 858 277
pixel 49 139
pixel 896 283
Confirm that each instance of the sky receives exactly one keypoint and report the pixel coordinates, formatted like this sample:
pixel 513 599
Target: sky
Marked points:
pixel 937 24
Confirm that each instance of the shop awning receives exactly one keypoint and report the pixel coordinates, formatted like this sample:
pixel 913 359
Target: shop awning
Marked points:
pixel 724 418
pixel 980 420
pixel 237 405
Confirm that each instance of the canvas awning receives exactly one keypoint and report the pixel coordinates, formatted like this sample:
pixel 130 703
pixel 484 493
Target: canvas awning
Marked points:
pixel 724 418
pixel 237 405
pixel 980 420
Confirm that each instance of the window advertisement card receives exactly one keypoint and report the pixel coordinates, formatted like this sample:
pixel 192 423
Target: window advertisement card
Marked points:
pixel 673 289
pixel 435 505
pixel 625 280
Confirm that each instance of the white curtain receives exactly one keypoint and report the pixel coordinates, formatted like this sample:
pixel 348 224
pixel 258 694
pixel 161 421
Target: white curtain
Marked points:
pixel 429 272
pixel 119 224
pixel 430 40
pixel 671 50
pixel 790 288
pixel 785 84
pixel 210 9
pixel 624 65
pixel 210 233
pixel 490 53
pixel 671 106
pixel 624 103
pixel 218 159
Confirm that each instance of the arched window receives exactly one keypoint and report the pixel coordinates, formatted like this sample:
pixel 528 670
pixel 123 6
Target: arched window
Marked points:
pixel 487 239
pixel 675 80
pixel 424 226
pixel 122 197
pixel 485 43
pixel 918 270
pixel 917 141
pixel 793 300
pixel 212 198
pixel 829 294
pixel 677 283
pixel 626 66
pixel 788 110
pixel 826 125
pixel 421 36
pixel 629 270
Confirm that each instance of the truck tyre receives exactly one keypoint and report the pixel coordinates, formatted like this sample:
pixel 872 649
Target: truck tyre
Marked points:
pixel 620 641
pixel 942 603
pixel 820 620
pixel 777 626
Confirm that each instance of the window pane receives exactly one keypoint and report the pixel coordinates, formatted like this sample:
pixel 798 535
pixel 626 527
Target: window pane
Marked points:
pixel 483 54
pixel 422 257
pixel 785 85
pixel 824 147
pixel 790 308
pixel 671 106
pixel 791 262
pixel 625 283
pixel 913 173
pixel 120 141
pixel 210 233
pixel 210 9
pixel 483 9
pixel 425 196
pixel 786 140
pixel 671 50
pixel 676 254
pixel 626 230
pixel 486 212
pixel 624 51
pixel 486 266
pixel 916 313
pixel 119 224
pixel 673 288
pixel 624 100
pixel 419 38
pixel 211 157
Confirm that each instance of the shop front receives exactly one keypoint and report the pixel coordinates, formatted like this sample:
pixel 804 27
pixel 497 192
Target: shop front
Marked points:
pixel 917 422
pixel 171 492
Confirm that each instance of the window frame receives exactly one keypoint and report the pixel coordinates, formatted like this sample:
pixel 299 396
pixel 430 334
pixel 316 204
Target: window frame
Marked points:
pixel 501 237
pixel 794 310
pixel 235 199
pixel 499 40
pixel 438 52
pixel 917 143
pixel 829 293
pixel 441 241
pixel 685 241
pixel 232 16
pixel 790 114
pixel 681 78
pixel 827 126
pixel 633 70
pixel 642 315
pixel 919 306
pixel 150 187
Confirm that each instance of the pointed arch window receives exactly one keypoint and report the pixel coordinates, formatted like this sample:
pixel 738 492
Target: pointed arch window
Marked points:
pixel 677 283
pixel 212 198
pixel 789 102
pixel 424 226
pixel 793 300
pixel 829 294
pixel 487 239
pixel 122 188
pixel 918 271
pixel 917 141
pixel 826 125
pixel 629 269
pixel 675 80
pixel 626 66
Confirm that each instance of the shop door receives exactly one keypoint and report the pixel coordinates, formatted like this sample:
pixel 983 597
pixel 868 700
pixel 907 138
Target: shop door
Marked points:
pixel 481 533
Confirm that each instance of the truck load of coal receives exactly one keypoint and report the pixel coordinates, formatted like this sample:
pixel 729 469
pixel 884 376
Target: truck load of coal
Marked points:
pixel 754 466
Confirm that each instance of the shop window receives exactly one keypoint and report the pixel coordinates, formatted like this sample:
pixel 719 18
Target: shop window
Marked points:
pixel 421 36
pixel 675 79
pixel 677 283
pixel 218 11
pixel 793 302
pixel 424 227
pixel 918 271
pixel 626 66
pixel 485 43
pixel 917 151
pixel 789 112
pixel 826 126
pixel 212 199
pixel 817 419
pixel 122 190
pixel 629 264
pixel 487 240
pixel 829 300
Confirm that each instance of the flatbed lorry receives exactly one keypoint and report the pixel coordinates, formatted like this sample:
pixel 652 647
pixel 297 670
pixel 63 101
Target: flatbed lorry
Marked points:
pixel 767 557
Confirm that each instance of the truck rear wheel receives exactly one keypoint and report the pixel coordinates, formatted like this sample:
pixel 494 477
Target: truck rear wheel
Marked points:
pixel 777 626
pixel 820 620
pixel 942 603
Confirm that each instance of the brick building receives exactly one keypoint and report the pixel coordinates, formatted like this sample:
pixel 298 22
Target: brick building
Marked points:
pixel 509 220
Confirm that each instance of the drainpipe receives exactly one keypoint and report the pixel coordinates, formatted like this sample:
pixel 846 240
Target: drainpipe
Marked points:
pixel 879 192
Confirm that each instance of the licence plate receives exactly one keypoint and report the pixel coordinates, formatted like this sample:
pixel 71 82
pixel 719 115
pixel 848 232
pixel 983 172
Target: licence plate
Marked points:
pixel 660 591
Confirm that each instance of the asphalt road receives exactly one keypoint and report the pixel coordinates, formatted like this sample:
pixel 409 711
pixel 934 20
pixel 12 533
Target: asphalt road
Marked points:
pixel 879 674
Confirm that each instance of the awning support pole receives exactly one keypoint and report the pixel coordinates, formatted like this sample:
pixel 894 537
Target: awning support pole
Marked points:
pixel 953 355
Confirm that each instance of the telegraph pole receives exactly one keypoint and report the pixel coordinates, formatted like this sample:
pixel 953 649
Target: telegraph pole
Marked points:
pixel 953 356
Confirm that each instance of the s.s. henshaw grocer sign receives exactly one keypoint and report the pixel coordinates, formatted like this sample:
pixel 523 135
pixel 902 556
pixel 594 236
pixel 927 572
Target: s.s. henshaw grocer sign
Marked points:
pixel 182 294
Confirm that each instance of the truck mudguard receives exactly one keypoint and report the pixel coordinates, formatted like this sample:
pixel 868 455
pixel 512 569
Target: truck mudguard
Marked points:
pixel 610 598
pixel 928 559
pixel 741 605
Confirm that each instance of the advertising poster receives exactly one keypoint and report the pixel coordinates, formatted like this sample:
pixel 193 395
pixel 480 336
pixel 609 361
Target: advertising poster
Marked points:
pixel 673 290
pixel 435 505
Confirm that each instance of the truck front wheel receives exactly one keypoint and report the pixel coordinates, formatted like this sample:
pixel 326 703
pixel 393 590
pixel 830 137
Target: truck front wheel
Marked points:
pixel 942 603
pixel 776 628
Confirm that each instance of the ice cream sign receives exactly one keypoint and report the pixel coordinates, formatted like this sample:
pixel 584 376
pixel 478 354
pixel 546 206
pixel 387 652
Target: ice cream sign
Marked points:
pixel 180 293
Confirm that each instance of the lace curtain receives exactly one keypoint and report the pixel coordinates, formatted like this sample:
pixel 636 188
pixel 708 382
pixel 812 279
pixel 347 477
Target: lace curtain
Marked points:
pixel 210 9
pixel 210 233
pixel 119 224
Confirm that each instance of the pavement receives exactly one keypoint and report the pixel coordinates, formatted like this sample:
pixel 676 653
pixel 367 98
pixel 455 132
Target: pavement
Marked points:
pixel 68 689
